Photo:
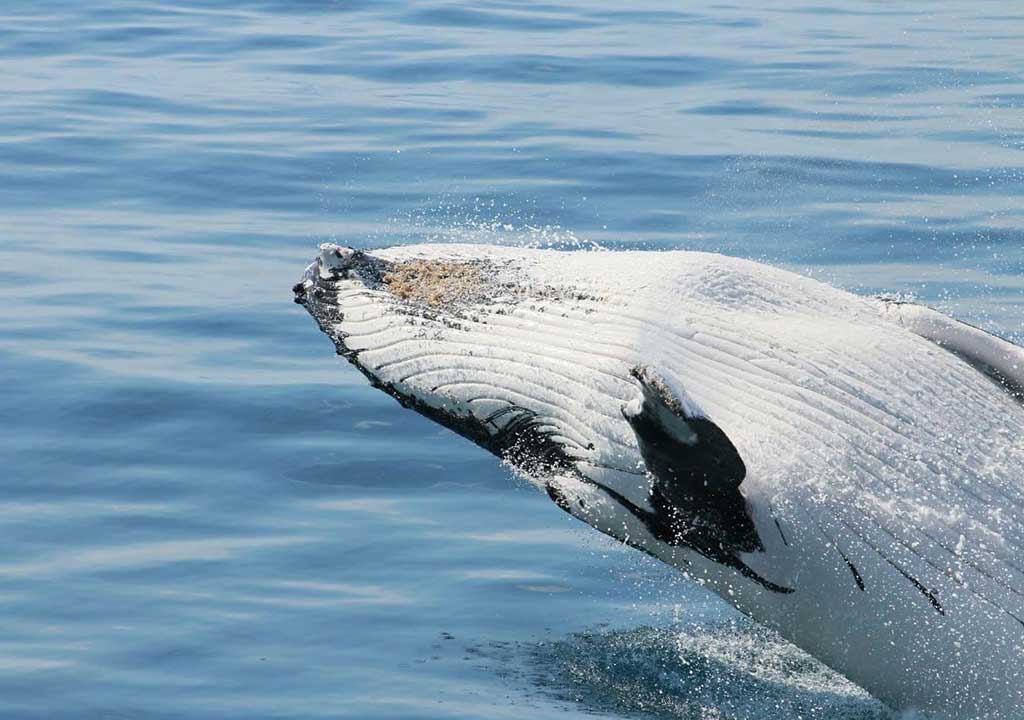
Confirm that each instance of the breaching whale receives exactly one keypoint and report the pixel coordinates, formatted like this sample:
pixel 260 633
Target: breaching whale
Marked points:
pixel 846 470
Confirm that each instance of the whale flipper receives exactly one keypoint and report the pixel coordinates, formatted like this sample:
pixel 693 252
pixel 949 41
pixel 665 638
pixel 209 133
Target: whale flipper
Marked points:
pixel 697 474
pixel 991 355
pixel 697 470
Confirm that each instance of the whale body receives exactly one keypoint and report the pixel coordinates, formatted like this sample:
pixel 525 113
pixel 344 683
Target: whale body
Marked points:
pixel 846 470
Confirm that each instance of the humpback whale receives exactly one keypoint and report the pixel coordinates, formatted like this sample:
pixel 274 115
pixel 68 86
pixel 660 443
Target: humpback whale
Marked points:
pixel 846 470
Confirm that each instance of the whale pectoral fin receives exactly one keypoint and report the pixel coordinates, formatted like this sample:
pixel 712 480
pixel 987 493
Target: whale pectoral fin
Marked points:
pixel 697 473
pixel 991 355
pixel 697 470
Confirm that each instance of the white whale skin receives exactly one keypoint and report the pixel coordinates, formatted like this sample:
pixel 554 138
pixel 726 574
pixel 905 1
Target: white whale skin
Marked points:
pixel 874 515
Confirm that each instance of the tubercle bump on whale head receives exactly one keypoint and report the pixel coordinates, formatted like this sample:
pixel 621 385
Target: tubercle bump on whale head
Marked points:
pixel 334 259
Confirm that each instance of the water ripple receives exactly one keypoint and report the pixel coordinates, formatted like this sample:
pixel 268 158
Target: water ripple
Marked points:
pixel 209 517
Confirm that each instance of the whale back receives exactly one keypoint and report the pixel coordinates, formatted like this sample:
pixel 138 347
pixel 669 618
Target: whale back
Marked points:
pixel 882 472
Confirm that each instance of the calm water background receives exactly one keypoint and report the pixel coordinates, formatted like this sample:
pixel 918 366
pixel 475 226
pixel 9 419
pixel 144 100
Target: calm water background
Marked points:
pixel 206 515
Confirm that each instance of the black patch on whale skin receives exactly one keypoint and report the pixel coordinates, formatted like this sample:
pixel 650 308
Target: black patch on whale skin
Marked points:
pixel 523 441
pixel 558 497
pixel 854 571
pixel 918 585
pixel 367 268
pixel 924 591
pixel 781 534
pixel 833 543
pixel 696 494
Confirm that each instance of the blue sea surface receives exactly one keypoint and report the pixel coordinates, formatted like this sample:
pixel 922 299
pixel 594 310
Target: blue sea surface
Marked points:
pixel 206 514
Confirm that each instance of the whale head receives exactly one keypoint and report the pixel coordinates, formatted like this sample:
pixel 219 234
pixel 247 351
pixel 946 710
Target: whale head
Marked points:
pixel 495 350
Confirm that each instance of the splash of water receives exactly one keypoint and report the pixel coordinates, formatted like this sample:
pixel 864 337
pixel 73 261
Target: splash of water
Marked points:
pixel 486 221
pixel 732 670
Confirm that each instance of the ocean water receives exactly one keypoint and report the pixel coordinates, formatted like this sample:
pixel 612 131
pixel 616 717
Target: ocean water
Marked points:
pixel 205 514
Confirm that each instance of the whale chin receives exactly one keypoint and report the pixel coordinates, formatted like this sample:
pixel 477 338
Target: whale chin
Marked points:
pixel 846 470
